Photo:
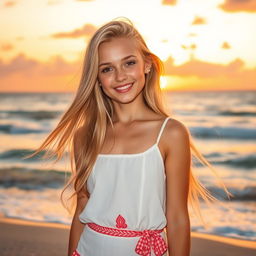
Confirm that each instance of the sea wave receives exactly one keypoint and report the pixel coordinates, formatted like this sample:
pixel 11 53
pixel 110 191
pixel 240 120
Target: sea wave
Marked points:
pixel 232 159
pixel 236 113
pixel 36 179
pixel 218 132
pixel 33 115
pixel 243 193
pixel 32 179
pixel 247 161
pixel 19 154
pixel 15 129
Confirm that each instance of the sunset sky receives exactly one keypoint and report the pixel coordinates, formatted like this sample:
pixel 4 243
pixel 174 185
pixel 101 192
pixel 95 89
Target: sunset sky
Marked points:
pixel 205 44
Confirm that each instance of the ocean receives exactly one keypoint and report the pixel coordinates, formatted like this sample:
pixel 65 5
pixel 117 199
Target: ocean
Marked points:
pixel 223 127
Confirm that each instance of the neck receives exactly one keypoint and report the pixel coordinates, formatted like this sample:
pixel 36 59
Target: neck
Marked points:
pixel 129 112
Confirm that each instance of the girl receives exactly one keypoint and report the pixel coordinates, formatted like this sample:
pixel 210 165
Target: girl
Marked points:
pixel 131 162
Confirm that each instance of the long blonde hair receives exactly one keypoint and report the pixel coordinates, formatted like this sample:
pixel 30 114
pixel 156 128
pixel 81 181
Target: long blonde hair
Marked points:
pixel 91 112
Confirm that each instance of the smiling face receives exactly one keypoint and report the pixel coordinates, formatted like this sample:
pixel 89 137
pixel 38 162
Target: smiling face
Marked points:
pixel 122 69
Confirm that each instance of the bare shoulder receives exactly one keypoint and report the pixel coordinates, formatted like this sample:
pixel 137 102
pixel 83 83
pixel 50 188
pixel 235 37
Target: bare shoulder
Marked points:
pixel 176 135
pixel 175 128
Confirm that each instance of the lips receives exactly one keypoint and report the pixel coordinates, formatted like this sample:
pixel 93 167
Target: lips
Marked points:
pixel 124 87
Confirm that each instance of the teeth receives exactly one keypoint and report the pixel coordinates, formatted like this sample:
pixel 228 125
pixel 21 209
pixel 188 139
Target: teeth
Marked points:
pixel 124 87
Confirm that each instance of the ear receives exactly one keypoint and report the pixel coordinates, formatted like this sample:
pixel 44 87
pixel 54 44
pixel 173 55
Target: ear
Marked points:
pixel 148 66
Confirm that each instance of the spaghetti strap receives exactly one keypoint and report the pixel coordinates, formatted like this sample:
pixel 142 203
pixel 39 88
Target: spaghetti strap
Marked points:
pixel 162 129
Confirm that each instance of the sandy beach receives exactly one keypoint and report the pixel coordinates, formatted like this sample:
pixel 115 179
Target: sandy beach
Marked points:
pixel 27 238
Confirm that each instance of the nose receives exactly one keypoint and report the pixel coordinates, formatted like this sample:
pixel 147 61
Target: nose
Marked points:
pixel 120 75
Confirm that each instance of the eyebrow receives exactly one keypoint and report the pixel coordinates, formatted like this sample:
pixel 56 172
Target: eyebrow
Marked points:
pixel 108 63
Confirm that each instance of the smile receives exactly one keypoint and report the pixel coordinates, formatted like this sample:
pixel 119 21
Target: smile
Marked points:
pixel 124 88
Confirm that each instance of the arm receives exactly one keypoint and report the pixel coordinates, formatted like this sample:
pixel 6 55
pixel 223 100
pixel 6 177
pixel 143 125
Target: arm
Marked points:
pixel 76 226
pixel 177 164
pixel 82 199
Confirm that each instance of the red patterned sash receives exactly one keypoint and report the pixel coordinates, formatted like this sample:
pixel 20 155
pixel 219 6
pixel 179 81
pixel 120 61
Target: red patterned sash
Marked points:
pixel 75 253
pixel 149 238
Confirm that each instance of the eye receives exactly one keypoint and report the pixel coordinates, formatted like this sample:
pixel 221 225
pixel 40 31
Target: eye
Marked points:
pixel 105 70
pixel 131 62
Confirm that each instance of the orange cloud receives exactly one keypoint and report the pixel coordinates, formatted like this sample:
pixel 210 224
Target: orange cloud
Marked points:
pixel 25 74
pixel 169 2
pixel 225 46
pixel 21 64
pixel 86 30
pixel 18 64
pixel 6 47
pixel 198 21
pixel 9 4
pixel 204 69
pixel 233 75
pixel 239 6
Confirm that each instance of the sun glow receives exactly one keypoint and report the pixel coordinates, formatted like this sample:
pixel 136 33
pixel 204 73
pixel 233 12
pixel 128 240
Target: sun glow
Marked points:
pixel 163 82
pixel 188 37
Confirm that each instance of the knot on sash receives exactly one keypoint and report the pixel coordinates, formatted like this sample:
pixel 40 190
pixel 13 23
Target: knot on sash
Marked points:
pixel 151 239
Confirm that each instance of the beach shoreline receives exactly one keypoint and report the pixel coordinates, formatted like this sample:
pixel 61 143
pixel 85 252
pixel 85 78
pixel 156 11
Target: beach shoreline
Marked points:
pixel 23 237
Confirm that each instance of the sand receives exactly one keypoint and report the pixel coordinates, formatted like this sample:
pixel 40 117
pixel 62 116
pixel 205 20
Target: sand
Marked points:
pixel 27 238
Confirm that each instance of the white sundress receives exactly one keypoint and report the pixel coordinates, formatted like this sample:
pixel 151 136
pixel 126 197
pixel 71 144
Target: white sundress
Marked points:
pixel 127 192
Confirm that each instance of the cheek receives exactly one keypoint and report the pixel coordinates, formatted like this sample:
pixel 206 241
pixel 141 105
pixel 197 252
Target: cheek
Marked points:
pixel 106 80
pixel 134 74
pixel 139 75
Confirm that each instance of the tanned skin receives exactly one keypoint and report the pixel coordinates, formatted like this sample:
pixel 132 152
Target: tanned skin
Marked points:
pixel 176 148
pixel 77 227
